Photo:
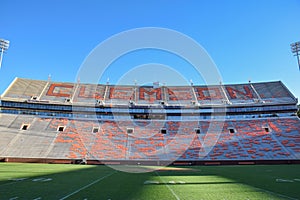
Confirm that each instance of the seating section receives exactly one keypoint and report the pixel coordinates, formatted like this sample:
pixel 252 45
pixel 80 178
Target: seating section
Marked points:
pixel 146 141
pixel 287 133
pixel 209 95
pixel 82 93
pixel 120 95
pixel 59 92
pixel 273 92
pixel 252 139
pixel 25 89
pixel 149 95
pixel 22 137
pixel 179 95
pixel 89 93
pixel 248 139
pixel 109 143
pixel 7 119
pixel 241 94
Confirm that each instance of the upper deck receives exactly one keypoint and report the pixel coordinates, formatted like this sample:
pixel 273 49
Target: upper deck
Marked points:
pixel 117 95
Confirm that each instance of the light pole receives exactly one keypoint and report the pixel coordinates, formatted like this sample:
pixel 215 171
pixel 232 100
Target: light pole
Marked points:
pixel 4 44
pixel 296 51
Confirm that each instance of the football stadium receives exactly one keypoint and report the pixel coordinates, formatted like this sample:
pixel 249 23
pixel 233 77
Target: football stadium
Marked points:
pixel 232 141
pixel 149 100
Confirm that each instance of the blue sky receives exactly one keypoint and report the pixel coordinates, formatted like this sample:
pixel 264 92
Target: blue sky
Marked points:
pixel 247 39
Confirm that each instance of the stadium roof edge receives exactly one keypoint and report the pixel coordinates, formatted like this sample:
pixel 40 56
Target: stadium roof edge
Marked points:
pixel 68 82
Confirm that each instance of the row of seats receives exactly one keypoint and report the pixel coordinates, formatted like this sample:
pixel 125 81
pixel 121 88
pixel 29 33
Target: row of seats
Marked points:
pixel 259 139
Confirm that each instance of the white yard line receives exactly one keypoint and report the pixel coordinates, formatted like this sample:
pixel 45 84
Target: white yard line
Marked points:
pixel 172 191
pixel 13 182
pixel 88 185
pixel 13 198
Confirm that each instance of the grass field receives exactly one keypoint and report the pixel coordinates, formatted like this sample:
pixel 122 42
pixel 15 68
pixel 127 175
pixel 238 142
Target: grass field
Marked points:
pixel 50 181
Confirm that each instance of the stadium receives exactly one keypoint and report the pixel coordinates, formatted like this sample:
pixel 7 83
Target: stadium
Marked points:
pixel 145 128
pixel 149 100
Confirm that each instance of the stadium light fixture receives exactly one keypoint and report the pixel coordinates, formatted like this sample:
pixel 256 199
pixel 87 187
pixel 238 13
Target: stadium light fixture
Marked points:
pixel 296 51
pixel 4 44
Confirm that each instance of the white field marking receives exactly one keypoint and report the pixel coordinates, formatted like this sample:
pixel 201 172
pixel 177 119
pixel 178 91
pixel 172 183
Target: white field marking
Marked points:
pixel 13 198
pixel 37 179
pixel 14 181
pixel 172 191
pixel 273 193
pixel 150 182
pixel 296 179
pixel 38 198
pixel 284 180
pixel 47 179
pixel 42 179
pixel 88 185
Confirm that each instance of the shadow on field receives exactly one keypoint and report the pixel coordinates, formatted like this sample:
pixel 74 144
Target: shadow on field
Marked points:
pixel 280 180
pixel 59 181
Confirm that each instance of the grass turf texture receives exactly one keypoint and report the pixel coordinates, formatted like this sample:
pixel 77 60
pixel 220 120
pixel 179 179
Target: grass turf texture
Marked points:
pixel 50 181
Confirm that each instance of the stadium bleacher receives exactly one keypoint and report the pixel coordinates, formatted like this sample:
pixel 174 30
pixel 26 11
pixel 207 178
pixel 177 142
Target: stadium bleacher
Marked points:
pixel 252 139
pixel 46 127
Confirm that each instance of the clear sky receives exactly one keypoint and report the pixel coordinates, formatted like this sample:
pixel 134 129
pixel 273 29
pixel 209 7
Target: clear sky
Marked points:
pixel 247 39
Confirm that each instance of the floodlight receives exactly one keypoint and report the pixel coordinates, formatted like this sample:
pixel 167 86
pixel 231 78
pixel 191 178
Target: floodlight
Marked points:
pixel 4 44
pixel 295 47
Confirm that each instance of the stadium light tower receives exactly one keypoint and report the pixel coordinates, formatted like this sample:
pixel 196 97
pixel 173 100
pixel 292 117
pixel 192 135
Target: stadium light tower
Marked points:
pixel 296 51
pixel 4 44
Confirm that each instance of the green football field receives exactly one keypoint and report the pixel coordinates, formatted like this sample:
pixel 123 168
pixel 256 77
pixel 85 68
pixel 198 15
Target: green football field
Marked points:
pixel 52 181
